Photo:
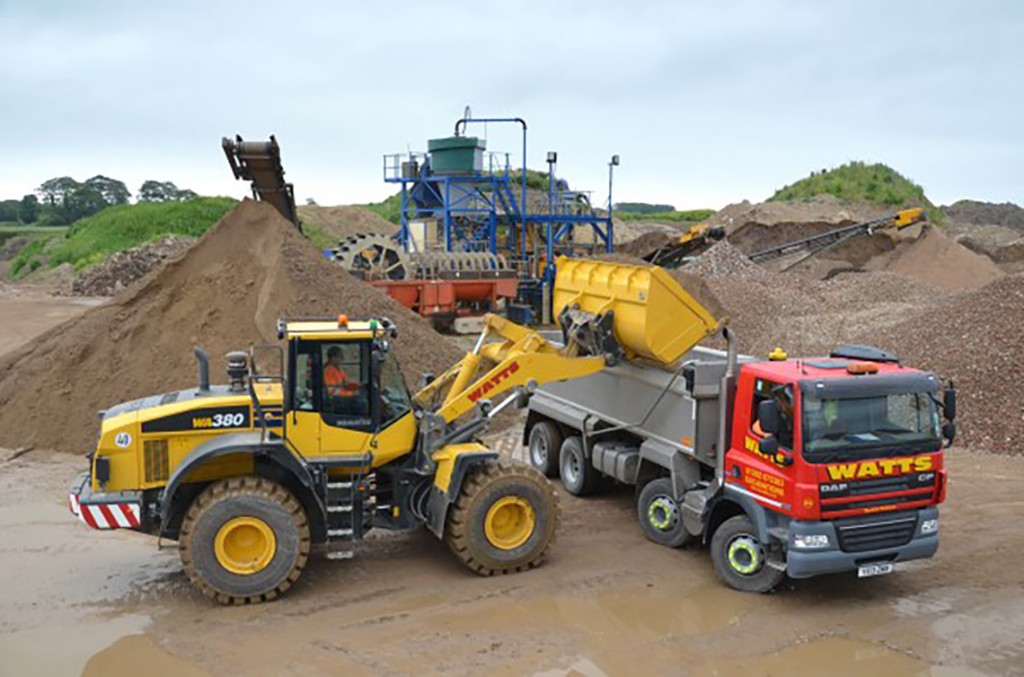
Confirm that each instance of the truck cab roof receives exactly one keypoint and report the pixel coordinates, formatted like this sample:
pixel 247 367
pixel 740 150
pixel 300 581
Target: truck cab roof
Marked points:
pixel 815 373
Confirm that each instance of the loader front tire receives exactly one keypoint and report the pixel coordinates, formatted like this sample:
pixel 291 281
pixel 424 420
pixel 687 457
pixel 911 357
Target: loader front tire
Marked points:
pixel 244 540
pixel 503 520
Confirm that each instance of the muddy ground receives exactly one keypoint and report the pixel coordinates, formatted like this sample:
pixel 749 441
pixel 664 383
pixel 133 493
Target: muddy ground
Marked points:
pixel 607 601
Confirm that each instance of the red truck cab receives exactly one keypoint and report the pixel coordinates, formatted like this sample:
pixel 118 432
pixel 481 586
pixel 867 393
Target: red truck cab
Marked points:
pixel 842 457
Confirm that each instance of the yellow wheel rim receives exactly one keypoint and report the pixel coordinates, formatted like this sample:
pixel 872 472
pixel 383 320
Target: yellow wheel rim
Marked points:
pixel 509 522
pixel 245 545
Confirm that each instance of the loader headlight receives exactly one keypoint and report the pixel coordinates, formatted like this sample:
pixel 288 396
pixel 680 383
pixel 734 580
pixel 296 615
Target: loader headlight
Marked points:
pixel 930 526
pixel 811 541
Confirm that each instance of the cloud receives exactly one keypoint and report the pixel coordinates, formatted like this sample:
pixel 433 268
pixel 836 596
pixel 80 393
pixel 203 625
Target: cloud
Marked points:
pixel 705 103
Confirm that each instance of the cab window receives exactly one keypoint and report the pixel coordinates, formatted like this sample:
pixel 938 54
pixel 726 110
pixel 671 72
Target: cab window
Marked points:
pixel 783 396
pixel 394 397
pixel 333 379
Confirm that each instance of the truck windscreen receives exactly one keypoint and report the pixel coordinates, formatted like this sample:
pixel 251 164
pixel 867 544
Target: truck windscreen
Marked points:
pixel 853 428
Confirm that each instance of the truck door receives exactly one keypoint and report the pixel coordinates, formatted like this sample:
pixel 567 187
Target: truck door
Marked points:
pixel 769 477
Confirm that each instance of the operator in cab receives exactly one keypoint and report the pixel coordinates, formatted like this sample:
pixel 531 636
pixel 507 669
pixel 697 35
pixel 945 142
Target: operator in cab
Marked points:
pixel 336 381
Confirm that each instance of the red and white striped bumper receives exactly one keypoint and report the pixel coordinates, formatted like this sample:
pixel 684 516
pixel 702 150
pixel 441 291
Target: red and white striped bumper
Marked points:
pixel 103 511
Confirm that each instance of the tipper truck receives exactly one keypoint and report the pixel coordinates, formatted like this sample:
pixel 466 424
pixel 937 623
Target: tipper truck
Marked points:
pixel 783 466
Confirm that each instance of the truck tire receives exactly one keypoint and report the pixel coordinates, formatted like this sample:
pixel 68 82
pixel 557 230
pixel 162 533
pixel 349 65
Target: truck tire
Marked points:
pixel 579 477
pixel 739 557
pixel 244 540
pixel 503 520
pixel 659 515
pixel 545 443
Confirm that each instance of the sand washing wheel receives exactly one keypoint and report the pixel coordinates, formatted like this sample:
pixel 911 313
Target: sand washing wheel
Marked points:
pixel 374 257
pixel 379 257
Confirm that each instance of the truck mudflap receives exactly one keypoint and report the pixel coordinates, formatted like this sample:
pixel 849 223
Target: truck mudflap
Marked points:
pixel 118 510
pixel 863 542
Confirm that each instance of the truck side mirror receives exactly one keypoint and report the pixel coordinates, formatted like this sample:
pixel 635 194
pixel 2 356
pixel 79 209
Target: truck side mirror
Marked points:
pixel 949 432
pixel 949 403
pixel 768 415
pixel 769 446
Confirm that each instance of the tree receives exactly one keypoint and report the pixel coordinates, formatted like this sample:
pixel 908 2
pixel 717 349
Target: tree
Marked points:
pixel 54 191
pixel 163 191
pixel 9 210
pixel 28 209
pixel 112 191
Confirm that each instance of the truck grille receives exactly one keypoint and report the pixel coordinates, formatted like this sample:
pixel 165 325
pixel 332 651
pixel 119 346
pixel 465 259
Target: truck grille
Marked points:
pixel 891 531
pixel 156 462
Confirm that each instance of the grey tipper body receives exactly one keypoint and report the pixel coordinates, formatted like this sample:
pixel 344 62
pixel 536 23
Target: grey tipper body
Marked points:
pixel 680 422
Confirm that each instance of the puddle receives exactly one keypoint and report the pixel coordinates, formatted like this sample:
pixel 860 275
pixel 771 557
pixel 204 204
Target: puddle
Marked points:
pixel 135 654
pixel 62 649
pixel 635 613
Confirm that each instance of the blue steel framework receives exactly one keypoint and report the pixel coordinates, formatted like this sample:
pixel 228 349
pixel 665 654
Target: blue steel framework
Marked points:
pixel 481 211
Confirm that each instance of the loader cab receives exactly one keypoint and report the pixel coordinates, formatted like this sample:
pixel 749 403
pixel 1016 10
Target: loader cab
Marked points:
pixel 343 387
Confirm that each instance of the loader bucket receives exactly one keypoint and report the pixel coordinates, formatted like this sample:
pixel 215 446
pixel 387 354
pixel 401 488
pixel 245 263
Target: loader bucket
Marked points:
pixel 642 309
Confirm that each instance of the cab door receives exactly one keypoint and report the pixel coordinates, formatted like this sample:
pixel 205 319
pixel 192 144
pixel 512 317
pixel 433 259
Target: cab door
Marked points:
pixel 331 415
pixel 769 477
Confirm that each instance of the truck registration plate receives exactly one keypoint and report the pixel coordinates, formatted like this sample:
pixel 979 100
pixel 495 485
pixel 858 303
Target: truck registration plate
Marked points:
pixel 874 570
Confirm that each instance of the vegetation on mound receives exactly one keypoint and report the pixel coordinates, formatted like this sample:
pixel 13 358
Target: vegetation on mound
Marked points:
pixel 390 209
pixel 675 216
pixel 90 240
pixel 858 181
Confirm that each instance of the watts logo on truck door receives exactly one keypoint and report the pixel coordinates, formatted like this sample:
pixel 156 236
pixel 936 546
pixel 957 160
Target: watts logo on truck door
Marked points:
pixel 880 468
pixel 210 418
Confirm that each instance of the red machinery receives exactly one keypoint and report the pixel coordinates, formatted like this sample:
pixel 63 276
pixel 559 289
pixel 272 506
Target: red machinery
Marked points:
pixel 443 286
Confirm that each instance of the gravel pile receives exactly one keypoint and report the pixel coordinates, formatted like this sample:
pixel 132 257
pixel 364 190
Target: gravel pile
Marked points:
pixel 972 211
pixel 725 259
pixel 976 340
pixel 121 269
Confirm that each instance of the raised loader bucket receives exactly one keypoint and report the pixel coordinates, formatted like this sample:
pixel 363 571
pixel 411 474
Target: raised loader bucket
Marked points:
pixel 624 310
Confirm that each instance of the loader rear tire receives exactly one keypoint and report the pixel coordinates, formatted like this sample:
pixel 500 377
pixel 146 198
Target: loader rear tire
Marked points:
pixel 244 540
pixel 503 520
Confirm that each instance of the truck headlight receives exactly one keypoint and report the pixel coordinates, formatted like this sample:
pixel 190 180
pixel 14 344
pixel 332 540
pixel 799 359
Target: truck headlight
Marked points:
pixel 810 541
pixel 930 526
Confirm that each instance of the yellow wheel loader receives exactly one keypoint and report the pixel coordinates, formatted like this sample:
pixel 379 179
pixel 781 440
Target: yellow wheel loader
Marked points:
pixel 247 477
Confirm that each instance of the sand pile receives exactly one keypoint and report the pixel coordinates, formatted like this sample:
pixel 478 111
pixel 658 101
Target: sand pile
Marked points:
pixel 226 293
pixel 935 259
pixel 345 220
pixel 976 340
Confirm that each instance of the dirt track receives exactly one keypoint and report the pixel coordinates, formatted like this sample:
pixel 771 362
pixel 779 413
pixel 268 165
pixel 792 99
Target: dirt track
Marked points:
pixel 607 602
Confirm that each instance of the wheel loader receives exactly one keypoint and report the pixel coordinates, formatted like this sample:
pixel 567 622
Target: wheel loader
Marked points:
pixel 249 476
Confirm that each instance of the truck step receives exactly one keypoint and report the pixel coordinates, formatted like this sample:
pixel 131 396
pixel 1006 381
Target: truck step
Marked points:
pixel 339 534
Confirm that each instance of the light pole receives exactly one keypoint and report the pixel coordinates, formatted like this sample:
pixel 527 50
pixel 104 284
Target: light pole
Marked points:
pixel 612 164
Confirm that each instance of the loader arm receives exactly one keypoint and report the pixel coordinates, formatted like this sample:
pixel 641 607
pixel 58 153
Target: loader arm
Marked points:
pixel 519 357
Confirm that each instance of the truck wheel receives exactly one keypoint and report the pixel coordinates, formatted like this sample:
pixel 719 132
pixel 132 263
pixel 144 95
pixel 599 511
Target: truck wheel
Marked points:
pixel 503 520
pixel 659 515
pixel 545 444
pixel 579 477
pixel 740 559
pixel 245 539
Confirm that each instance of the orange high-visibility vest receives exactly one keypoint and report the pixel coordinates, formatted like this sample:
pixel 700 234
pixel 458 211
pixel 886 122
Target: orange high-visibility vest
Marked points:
pixel 337 382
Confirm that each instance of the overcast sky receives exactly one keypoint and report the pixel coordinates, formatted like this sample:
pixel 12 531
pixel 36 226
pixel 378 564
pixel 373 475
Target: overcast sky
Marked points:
pixel 706 103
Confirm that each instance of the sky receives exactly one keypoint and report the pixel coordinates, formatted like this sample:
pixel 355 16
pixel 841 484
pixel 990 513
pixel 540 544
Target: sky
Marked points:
pixel 705 103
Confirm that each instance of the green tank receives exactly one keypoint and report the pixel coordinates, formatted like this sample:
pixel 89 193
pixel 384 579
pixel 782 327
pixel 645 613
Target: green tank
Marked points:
pixel 456 154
